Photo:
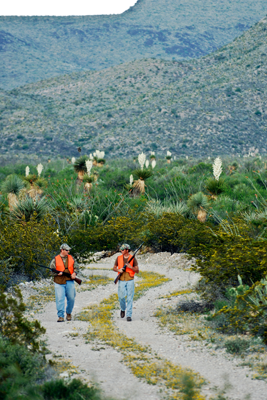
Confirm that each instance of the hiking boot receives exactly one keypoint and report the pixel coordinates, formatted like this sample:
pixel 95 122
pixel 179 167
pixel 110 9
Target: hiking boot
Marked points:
pixel 122 314
pixel 60 319
pixel 129 318
pixel 68 317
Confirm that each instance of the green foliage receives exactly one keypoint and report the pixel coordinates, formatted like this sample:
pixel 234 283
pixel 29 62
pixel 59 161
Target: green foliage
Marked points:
pixel 12 184
pixel 215 187
pixel 142 173
pixel 13 325
pixel 29 208
pixel 73 390
pixel 198 201
pixel 88 178
pixel 248 311
pixel 26 243
pixel 236 346
pixel 79 165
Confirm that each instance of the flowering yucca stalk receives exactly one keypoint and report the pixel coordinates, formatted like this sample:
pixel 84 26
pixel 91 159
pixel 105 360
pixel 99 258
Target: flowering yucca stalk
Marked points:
pixel 27 171
pixel 39 169
pixel 73 159
pixel 142 160
pixel 147 163
pixel 217 168
pixel 152 155
pixel 169 156
pixel 131 179
pixel 89 165
pixel 153 164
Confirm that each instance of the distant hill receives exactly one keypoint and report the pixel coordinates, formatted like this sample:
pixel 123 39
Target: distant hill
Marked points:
pixel 35 48
pixel 212 106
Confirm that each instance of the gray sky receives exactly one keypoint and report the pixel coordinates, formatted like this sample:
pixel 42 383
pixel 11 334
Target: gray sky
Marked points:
pixel 64 7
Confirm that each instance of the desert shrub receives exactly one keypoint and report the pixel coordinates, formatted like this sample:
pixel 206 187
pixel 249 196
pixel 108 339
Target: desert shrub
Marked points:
pixel 247 311
pixel 73 390
pixel 236 346
pixel 12 184
pixel 201 167
pixel 26 243
pixel 231 252
pixel 215 186
pixel 175 233
pixel 29 208
pixel 13 325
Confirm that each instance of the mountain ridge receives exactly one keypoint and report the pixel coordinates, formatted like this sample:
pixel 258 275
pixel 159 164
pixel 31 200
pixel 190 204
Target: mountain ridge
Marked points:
pixel 212 106
pixel 35 48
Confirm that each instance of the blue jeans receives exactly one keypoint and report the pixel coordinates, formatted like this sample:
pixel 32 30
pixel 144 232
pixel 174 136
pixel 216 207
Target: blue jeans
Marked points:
pixel 126 289
pixel 62 291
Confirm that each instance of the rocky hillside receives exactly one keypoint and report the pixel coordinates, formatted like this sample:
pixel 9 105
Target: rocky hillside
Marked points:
pixel 212 106
pixel 35 48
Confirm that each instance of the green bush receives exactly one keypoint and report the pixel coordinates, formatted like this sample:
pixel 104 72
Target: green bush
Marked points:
pixel 74 390
pixel 215 186
pixel 236 346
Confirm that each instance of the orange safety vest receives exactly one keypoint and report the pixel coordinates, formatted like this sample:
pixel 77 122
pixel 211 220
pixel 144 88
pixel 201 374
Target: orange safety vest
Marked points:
pixel 121 265
pixel 60 264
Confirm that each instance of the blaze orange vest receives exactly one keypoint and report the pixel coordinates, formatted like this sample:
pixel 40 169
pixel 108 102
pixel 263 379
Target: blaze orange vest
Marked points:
pixel 60 265
pixel 121 265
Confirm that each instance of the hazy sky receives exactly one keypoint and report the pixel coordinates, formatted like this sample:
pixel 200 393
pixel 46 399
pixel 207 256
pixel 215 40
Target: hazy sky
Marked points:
pixel 64 7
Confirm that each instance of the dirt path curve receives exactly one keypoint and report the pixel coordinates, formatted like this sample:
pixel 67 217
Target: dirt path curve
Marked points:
pixel 101 363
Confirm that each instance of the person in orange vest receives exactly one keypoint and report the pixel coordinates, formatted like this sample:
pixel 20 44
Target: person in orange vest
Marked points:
pixel 64 286
pixel 126 281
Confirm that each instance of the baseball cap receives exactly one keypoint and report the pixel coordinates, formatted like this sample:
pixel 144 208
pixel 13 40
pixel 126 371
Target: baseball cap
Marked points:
pixel 64 246
pixel 125 246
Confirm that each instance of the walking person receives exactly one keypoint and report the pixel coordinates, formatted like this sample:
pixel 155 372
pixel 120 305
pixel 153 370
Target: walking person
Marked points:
pixel 64 285
pixel 126 280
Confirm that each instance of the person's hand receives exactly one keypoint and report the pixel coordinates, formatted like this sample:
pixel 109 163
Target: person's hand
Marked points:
pixel 73 276
pixel 60 273
pixel 120 270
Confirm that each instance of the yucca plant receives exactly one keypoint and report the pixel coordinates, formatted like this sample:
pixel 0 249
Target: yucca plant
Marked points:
pixel 80 167
pixel 141 176
pixel 215 187
pixel 88 180
pixel 31 178
pixel 12 186
pixel 198 204
pixel 28 208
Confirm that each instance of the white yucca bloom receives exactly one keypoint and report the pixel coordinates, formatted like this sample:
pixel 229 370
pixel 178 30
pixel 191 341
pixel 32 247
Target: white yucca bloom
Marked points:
pixel 153 163
pixel 39 169
pixel 89 165
pixel 142 160
pixel 73 159
pixel 152 153
pixel 27 171
pixel 101 154
pixel 217 168
pixel 147 163
pixel 91 157
pixel 131 180
pixel 169 153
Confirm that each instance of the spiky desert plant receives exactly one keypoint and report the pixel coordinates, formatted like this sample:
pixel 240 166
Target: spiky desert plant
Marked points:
pixel 27 171
pixel 142 160
pixel 101 162
pixel 88 179
pixel 168 157
pixel 158 208
pixel 12 186
pixel 215 186
pixel 198 204
pixel 28 208
pixel 31 178
pixel 141 176
pixel 217 168
pixel 152 155
pixel 80 167
pixel 40 167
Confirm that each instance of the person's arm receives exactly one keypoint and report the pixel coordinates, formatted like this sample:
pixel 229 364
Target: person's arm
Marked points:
pixel 116 268
pixel 135 267
pixel 76 269
pixel 53 265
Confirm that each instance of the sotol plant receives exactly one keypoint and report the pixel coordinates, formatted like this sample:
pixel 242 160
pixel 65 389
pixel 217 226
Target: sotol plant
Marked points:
pixel 198 204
